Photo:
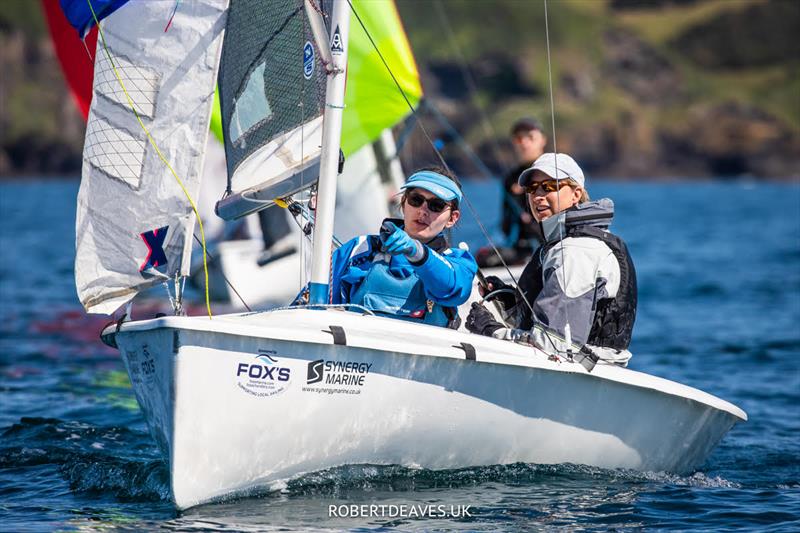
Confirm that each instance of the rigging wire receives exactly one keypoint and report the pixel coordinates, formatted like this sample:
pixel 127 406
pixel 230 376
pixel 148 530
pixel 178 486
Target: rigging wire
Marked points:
pixel 489 131
pixel 470 153
pixel 437 152
pixel 155 147
pixel 302 244
pixel 472 86
pixel 212 259
pixel 558 180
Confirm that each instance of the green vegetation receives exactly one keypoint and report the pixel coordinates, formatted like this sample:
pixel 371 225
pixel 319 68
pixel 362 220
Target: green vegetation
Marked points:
pixel 659 26
pixel 641 72
pixel 22 15
pixel 633 80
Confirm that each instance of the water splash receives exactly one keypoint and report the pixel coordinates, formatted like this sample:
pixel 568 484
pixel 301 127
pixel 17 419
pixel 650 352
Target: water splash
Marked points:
pixel 116 461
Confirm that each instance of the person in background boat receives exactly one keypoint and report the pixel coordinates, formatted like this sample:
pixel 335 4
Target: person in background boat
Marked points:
pixel 408 271
pixel 522 232
pixel 580 284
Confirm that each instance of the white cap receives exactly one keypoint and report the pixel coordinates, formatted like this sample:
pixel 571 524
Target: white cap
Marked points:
pixel 547 163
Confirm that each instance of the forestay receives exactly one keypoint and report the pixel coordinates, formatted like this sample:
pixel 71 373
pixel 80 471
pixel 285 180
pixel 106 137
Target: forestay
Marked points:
pixel 134 221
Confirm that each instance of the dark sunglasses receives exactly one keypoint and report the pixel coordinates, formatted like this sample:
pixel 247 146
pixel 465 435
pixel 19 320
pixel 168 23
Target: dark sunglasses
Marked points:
pixel 548 186
pixel 435 205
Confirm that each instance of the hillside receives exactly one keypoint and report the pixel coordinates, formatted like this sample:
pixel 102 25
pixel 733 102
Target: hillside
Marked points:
pixel 642 88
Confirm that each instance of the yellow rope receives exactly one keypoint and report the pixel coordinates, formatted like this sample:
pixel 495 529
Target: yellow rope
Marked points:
pixel 160 155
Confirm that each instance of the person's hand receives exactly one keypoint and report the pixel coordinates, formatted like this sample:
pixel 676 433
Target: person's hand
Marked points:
pixel 493 283
pixel 396 241
pixel 481 321
pixel 499 292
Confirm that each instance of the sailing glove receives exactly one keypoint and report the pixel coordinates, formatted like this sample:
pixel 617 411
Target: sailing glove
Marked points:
pixel 397 242
pixel 500 291
pixel 481 321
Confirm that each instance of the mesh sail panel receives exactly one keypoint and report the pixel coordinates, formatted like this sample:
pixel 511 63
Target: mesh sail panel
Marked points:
pixel 272 87
pixel 134 222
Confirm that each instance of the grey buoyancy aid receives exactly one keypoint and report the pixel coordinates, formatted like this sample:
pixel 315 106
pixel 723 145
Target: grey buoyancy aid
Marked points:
pixel 612 326
pixel 385 292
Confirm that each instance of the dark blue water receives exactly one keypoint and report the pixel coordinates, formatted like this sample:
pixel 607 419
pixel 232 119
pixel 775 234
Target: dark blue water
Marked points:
pixel 719 273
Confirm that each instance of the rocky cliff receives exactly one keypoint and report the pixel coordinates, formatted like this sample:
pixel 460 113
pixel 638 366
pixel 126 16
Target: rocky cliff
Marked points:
pixel 41 132
pixel 642 88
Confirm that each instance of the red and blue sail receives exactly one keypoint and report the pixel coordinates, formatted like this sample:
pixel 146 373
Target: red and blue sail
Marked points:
pixel 80 16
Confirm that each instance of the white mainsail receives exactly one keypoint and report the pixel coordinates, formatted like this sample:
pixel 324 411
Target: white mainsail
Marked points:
pixel 134 221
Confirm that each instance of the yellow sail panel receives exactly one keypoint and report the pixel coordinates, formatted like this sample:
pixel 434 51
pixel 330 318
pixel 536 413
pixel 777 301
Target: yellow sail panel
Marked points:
pixel 216 118
pixel 373 101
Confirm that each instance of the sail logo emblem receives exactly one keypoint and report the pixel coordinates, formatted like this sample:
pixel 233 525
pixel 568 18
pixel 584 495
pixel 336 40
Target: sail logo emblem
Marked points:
pixel 154 240
pixel 336 42
pixel 308 60
pixel 263 377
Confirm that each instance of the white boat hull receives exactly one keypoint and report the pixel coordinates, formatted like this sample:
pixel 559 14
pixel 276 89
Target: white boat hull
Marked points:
pixel 228 424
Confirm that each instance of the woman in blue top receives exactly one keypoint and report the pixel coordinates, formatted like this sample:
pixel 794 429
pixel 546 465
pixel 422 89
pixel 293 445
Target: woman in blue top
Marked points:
pixel 408 271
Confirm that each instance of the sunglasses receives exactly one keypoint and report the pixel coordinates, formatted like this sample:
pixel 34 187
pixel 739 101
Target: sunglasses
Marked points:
pixel 435 205
pixel 548 186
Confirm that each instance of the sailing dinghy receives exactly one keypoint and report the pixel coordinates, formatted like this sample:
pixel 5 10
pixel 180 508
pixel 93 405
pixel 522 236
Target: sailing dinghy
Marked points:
pixel 238 402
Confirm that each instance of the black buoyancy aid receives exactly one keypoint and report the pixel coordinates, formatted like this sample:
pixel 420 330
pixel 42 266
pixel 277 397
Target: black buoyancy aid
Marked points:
pixel 614 317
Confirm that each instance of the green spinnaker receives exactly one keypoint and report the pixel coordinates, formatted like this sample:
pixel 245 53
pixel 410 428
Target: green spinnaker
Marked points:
pixel 372 99
pixel 216 118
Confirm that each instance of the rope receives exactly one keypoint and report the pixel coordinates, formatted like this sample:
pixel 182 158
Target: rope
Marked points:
pixel 436 151
pixel 175 10
pixel 155 147
pixel 222 273
pixel 488 130
pixel 558 180
pixel 321 306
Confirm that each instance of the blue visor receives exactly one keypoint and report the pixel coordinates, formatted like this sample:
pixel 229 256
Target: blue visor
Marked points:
pixel 441 186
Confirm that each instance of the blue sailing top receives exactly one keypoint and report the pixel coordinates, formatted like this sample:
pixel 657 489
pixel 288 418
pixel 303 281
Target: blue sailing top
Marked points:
pixel 427 291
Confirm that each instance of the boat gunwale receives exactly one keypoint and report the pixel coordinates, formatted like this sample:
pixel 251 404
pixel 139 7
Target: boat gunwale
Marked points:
pixel 498 351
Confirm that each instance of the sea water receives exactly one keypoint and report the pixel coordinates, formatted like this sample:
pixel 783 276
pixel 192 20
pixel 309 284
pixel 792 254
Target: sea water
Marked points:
pixel 719 309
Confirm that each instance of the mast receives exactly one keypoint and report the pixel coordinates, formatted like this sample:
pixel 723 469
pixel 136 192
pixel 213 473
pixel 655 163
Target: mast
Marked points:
pixel 329 158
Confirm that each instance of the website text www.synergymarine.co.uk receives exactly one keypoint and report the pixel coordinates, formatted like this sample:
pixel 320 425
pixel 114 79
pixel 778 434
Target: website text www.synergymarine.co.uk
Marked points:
pixel 327 390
